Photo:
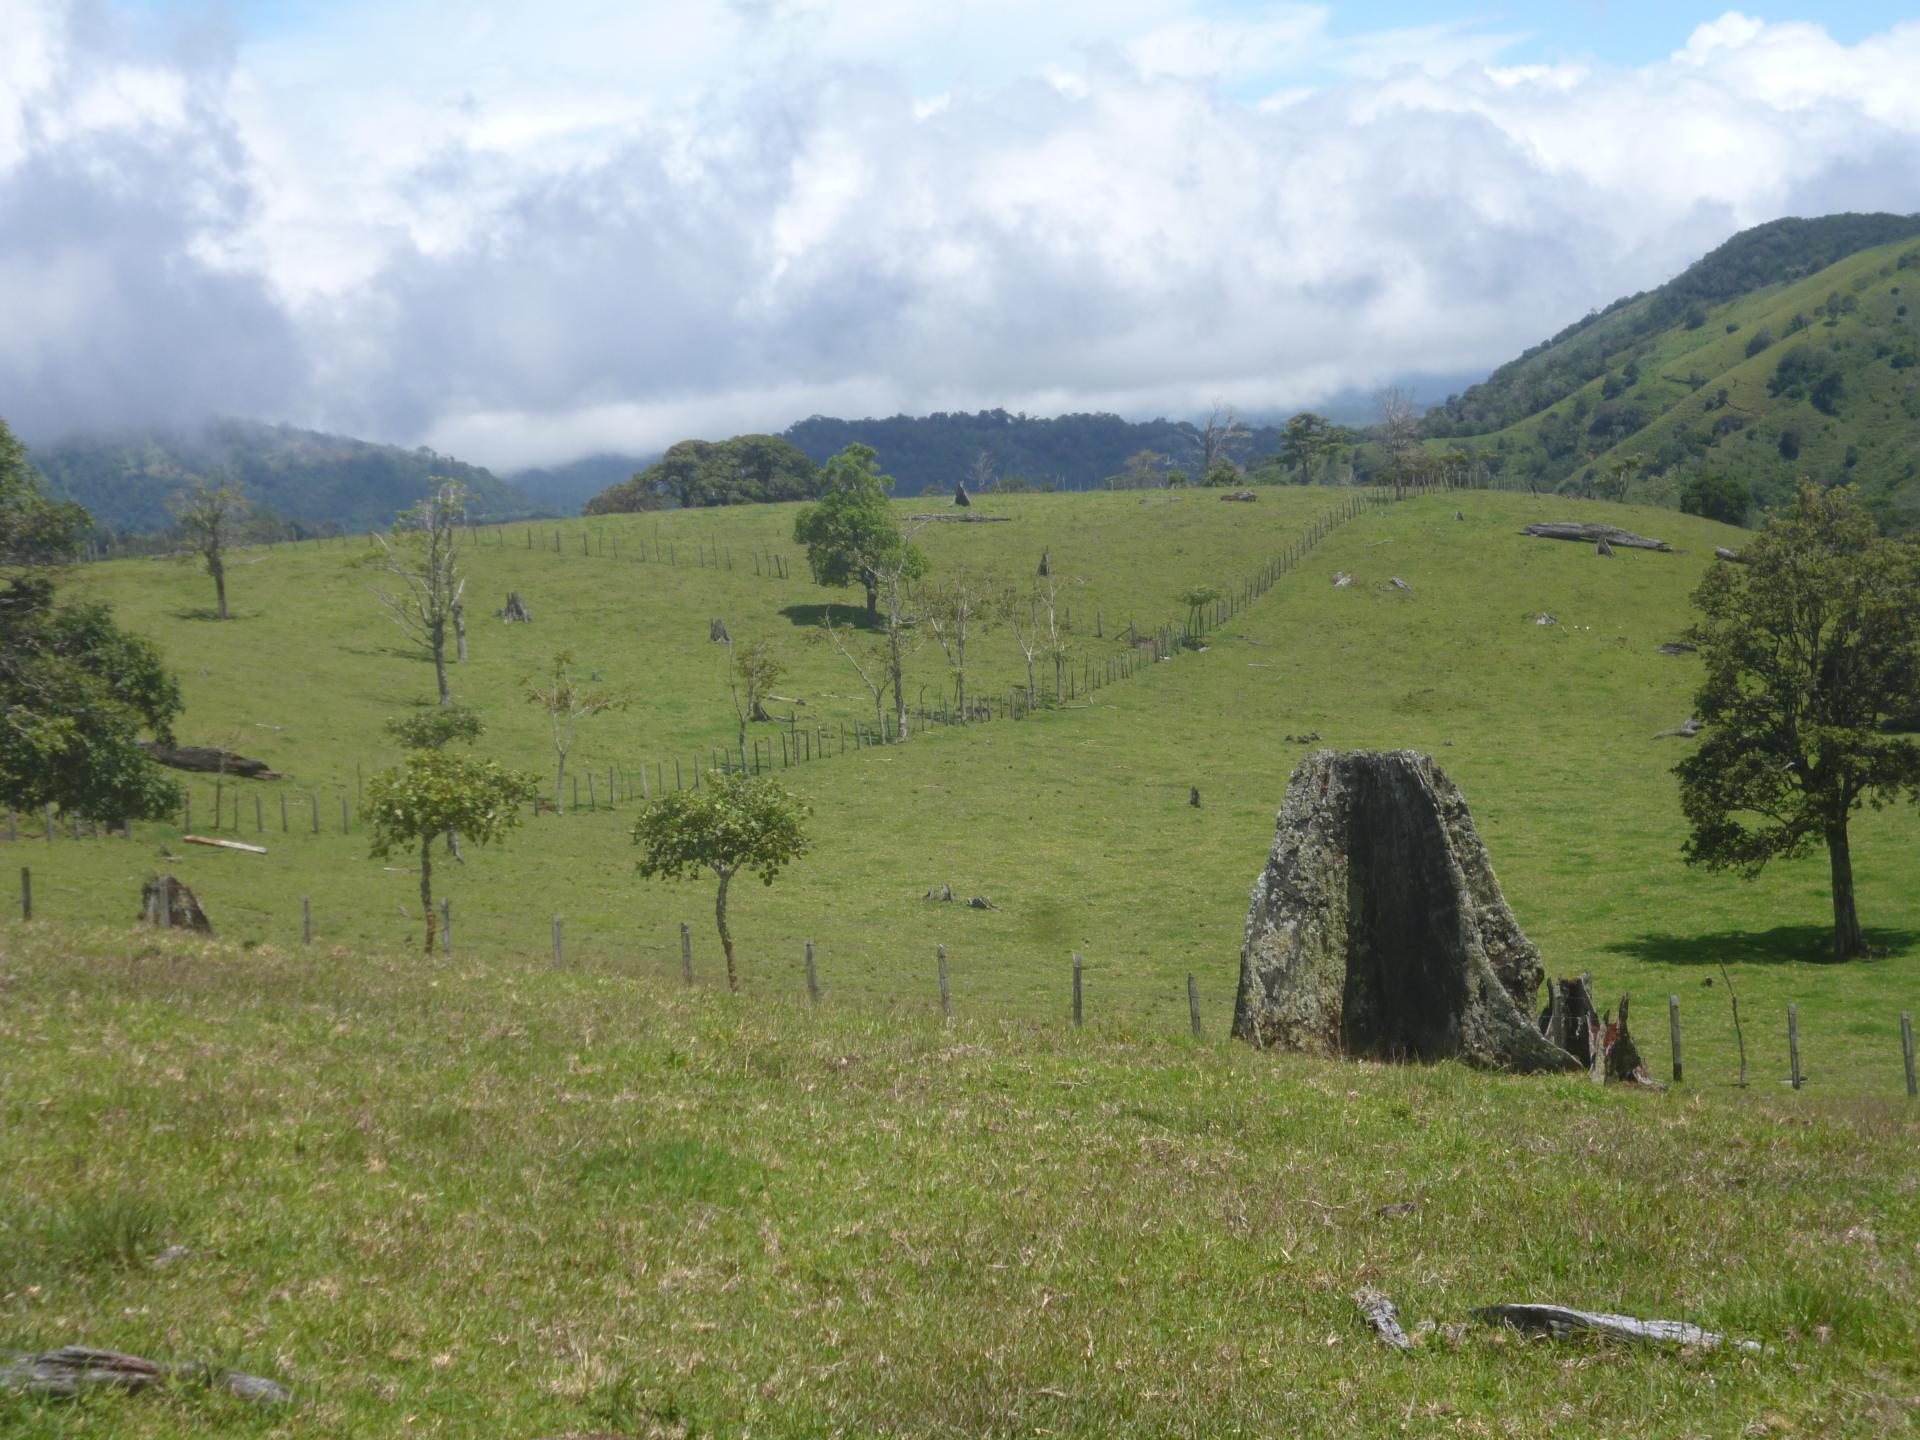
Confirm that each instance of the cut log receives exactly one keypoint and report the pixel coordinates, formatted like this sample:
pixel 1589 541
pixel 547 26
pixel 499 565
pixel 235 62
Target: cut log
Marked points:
pixel 1341 579
pixel 207 760
pixel 1399 584
pixel 1242 495
pixel 1678 647
pixel 1384 1319
pixel 223 844
pixel 77 1369
pixel 971 519
pixel 1686 730
pixel 1377 927
pixel 1732 557
pixel 166 903
pixel 1556 1322
pixel 980 902
pixel 1593 534
pixel 515 611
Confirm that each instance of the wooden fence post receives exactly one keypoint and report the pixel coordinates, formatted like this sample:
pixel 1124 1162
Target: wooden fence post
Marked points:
pixel 946 995
pixel 259 815
pixel 1193 1004
pixel 446 926
pixel 686 952
pixel 26 896
pixel 1673 1029
pixel 1906 1050
pixel 315 797
pixel 813 977
pixel 343 812
pixel 283 812
pixel 556 919
pixel 1076 989
pixel 306 920
pixel 1793 1042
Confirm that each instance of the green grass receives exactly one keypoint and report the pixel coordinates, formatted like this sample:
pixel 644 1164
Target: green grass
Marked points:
pixel 468 1198
pixel 483 1196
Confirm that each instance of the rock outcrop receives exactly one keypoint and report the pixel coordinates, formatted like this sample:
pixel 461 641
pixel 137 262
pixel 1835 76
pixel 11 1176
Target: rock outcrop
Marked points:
pixel 1377 928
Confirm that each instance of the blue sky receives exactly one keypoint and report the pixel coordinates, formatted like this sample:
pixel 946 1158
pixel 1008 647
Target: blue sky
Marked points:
pixel 522 235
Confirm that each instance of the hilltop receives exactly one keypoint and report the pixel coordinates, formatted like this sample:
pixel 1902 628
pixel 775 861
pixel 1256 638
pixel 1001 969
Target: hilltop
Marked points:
pixel 320 481
pixel 1789 350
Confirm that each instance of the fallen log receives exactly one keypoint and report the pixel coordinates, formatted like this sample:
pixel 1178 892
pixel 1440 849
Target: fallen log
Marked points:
pixel 224 844
pixel 76 1369
pixel 1384 1319
pixel 1556 1322
pixel 965 519
pixel 1732 557
pixel 207 760
pixel 1593 535
pixel 1685 730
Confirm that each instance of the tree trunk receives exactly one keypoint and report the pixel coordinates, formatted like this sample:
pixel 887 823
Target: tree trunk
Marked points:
pixel 893 674
pixel 439 642
pixel 1848 942
pixel 460 630
pixel 220 589
pixel 726 937
pixel 559 781
pixel 873 599
pixel 426 886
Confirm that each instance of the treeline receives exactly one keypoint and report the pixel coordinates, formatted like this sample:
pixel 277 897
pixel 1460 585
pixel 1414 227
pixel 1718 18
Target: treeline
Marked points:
pixel 306 481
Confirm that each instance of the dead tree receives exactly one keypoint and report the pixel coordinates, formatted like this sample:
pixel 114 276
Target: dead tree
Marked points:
pixel 422 560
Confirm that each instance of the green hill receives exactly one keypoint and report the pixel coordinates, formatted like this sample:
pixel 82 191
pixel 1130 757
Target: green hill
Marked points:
pixel 515 1191
pixel 1790 350
pixel 318 481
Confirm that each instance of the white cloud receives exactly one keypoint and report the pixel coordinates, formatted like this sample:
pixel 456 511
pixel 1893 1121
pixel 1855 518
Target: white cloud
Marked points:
pixel 522 238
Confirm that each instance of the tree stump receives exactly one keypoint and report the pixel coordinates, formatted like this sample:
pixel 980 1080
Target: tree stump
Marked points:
pixel 960 493
pixel 515 611
pixel 166 903
pixel 1378 929
pixel 717 632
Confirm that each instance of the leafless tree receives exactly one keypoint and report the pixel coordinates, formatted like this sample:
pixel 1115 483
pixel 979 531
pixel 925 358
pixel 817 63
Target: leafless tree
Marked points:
pixel 1399 431
pixel 954 607
pixel 421 559
pixel 566 704
pixel 873 664
pixel 1224 437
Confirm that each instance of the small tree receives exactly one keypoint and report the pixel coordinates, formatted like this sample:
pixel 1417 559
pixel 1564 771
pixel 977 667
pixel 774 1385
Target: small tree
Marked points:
pixel 422 557
pixel 566 705
pixel 1197 598
pixel 1809 647
pixel 871 666
pixel 954 608
pixel 732 823
pixel 210 518
pixel 433 792
pixel 437 728
pixel 756 668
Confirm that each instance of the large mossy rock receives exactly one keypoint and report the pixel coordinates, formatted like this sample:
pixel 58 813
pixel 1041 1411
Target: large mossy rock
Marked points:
pixel 1378 929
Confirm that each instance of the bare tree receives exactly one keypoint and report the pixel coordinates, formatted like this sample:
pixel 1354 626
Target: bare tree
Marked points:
pixel 1222 438
pixel 1398 429
pixel 874 663
pixel 422 559
pixel 566 704
pixel 982 473
pixel 757 668
pixel 954 607
pixel 209 517
pixel 1045 632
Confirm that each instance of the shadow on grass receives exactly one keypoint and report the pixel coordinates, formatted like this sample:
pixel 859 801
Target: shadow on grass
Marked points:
pixel 853 617
pixel 207 612
pixel 1782 945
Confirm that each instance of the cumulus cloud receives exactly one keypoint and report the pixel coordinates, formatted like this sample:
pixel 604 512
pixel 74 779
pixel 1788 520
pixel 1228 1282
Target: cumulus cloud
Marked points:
pixel 523 242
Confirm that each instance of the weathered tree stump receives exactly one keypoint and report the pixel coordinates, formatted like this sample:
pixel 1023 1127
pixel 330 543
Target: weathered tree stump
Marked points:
pixel 166 903
pixel 717 632
pixel 960 493
pixel 515 611
pixel 78 1369
pixel 1378 929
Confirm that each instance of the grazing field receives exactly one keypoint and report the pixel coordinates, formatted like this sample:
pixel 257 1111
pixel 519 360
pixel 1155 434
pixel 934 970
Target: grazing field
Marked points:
pixel 470 1198
pixel 482 1195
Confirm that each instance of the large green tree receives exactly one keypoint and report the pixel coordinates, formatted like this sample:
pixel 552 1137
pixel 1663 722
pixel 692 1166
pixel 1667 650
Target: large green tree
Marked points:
pixel 1810 646
pixel 733 822
pixel 76 692
pixel 852 535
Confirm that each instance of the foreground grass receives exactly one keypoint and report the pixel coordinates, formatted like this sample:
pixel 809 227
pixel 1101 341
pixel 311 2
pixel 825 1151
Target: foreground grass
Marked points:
pixel 463 1198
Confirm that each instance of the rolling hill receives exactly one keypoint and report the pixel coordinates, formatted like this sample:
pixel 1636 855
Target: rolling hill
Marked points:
pixel 1792 349
pixel 319 481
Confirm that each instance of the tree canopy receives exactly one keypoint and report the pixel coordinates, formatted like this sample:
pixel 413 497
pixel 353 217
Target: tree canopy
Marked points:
pixel 852 535
pixel 1810 646
pixel 748 469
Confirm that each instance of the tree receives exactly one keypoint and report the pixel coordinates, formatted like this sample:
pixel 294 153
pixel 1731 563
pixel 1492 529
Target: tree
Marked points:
pixel 1142 470
pixel 1809 647
pixel 1197 598
pixel 209 517
pixel 1620 472
pixel 757 668
pixel 852 535
pixel 954 608
pixel 423 557
pixel 566 705
pixel 1717 496
pixel 434 792
pixel 872 664
pixel 732 823
pixel 1307 441
pixel 1399 434
pixel 1222 438
pixel 76 691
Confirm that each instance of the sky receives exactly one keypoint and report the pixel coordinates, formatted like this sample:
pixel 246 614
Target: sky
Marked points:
pixel 523 237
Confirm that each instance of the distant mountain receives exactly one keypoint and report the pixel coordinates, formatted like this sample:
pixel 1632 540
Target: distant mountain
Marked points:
pixel 567 487
pixel 1066 452
pixel 314 479
pixel 1792 349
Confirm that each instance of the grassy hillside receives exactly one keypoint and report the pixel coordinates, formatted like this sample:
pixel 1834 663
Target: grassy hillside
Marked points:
pixel 485 1196
pixel 322 482
pixel 1700 387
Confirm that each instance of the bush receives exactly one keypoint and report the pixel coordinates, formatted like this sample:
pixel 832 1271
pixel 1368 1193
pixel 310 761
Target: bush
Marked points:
pixel 1716 497
pixel 1758 341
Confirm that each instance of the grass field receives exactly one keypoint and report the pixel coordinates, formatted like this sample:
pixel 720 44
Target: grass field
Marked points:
pixel 482 1196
